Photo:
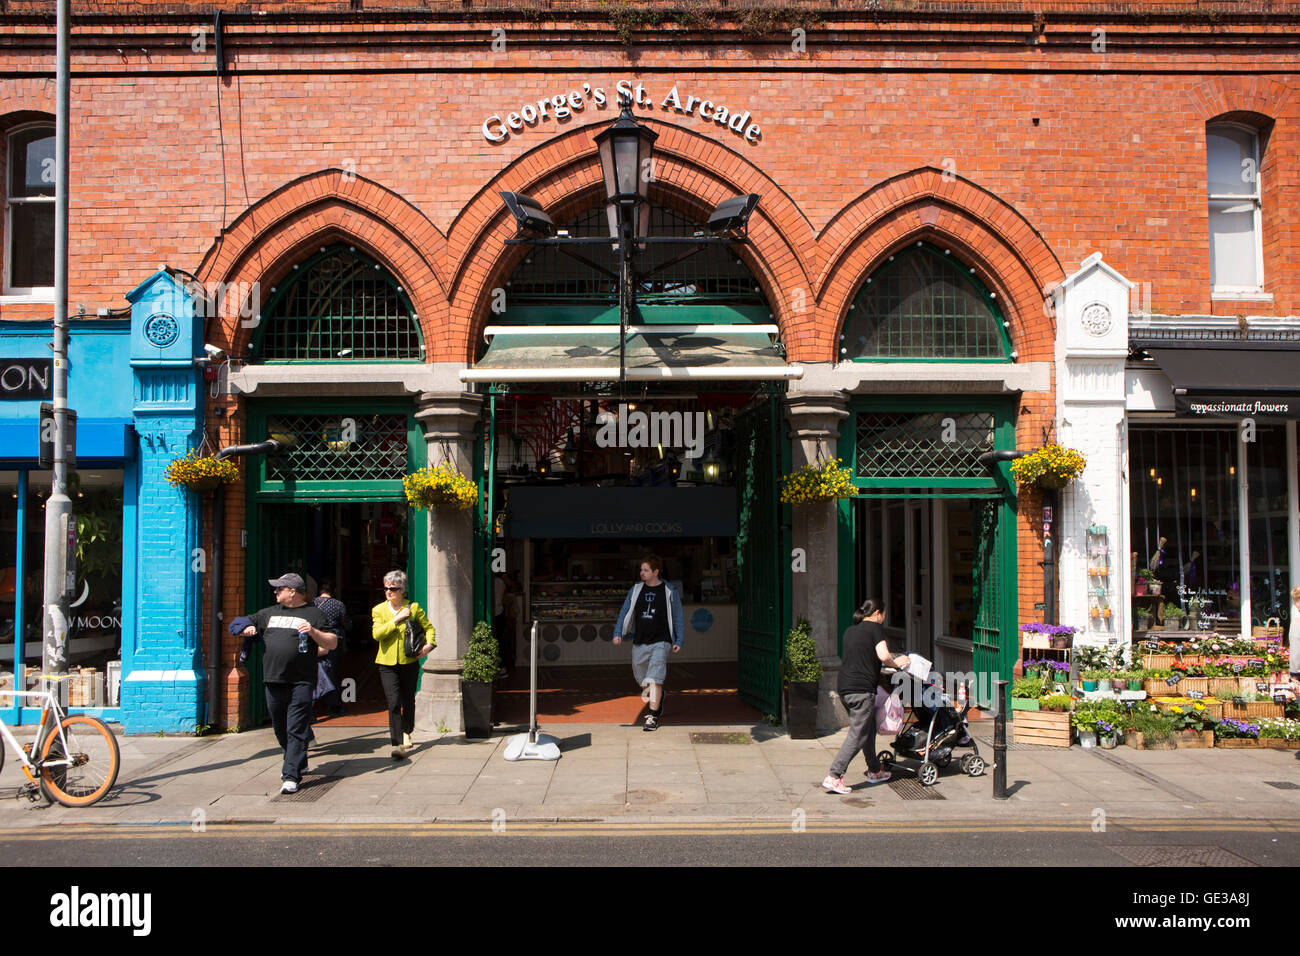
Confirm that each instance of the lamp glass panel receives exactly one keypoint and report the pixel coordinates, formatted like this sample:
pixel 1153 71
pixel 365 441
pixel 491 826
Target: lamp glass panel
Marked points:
pixel 626 156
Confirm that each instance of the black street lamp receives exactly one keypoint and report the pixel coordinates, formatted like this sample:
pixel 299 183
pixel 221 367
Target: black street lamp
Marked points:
pixel 627 165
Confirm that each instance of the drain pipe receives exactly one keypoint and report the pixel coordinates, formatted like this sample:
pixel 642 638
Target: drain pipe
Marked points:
pixel 218 528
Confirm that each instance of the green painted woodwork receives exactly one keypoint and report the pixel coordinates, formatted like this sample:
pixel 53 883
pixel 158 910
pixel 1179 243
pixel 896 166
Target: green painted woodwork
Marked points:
pixel 758 558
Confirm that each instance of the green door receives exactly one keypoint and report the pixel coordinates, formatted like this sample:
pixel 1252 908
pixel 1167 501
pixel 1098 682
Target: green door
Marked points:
pixel 986 590
pixel 283 534
pixel 758 558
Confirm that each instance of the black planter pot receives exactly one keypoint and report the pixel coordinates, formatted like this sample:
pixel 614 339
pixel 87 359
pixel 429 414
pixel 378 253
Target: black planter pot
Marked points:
pixel 476 706
pixel 801 709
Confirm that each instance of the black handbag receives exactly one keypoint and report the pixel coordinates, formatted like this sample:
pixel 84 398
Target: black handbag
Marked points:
pixel 413 637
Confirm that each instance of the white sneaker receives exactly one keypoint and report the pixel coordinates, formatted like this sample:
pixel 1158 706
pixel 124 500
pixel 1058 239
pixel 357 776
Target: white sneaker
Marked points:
pixel 289 786
pixel 835 784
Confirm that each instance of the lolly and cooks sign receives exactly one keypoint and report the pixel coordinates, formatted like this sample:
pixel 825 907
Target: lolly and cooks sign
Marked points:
pixel 557 107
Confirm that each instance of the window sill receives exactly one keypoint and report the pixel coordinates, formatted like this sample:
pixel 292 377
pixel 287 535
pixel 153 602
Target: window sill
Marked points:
pixel 1228 295
pixel 32 298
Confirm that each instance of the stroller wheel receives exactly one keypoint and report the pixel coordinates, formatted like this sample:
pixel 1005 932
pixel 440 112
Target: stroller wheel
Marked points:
pixel 886 758
pixel 973 765
pixel 928 775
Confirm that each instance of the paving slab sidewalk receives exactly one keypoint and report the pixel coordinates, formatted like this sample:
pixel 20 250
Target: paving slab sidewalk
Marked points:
pixel 679 773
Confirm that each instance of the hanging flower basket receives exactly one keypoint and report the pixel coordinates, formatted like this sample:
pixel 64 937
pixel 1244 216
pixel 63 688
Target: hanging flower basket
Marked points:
pixel 201 472
pixel 827 480
pixel 440 486
pixel 1049 468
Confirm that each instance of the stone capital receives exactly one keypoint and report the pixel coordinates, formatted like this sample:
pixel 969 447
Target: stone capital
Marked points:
pixel 816 416
pixel 449 416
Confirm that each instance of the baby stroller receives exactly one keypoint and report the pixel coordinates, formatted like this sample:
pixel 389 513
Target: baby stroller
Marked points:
pixel 935 730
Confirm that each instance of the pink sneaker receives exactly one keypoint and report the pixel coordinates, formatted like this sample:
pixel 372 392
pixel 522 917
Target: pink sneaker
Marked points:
pixel 835 784
pixel 879 777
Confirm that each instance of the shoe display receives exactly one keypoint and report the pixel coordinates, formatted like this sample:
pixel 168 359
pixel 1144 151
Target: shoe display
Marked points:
pixel 651 722
pixel 835 784
pixel 289 786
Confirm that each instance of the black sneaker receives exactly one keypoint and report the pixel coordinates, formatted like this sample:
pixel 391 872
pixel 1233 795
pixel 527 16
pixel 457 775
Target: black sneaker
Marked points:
pixel 651 722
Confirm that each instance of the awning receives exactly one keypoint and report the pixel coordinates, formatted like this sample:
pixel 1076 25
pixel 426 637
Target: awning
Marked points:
pixel 583 353
pixel 1250 380
pixel 98 439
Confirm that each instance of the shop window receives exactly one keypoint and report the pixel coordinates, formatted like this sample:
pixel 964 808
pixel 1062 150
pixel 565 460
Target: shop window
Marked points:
pixel 1184 507
pixel 29 210
pixel 339 306
pixel 1236 255
pixel 924 304
pixel 1266 494
pixel 95 612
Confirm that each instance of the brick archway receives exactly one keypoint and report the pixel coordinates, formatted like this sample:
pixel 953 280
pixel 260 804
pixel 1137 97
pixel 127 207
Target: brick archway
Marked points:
pixel 692 172
pixel 326 207
pixel 1009 256
pixel 27 96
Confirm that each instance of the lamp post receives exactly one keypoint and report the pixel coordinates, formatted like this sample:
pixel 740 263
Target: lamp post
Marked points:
pixel 626 150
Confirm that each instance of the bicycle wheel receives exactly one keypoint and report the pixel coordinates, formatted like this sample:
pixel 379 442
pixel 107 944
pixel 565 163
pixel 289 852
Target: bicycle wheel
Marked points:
pixel 95 761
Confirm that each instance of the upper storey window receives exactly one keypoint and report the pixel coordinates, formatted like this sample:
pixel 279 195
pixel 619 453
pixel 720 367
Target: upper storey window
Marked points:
pixel 29 210
pixel 1236 253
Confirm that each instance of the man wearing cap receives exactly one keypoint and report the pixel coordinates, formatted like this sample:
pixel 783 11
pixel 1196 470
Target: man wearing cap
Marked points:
pixel 291 629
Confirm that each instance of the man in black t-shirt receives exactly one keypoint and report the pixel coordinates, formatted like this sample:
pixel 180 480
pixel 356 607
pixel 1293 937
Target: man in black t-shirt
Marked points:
pixel 652 615
pixel 291 629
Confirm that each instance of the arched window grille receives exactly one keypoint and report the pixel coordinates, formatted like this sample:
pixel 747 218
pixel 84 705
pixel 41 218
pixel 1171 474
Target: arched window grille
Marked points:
pixel 339 306
pixel 924 304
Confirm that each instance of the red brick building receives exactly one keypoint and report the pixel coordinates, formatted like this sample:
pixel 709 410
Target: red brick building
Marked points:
pixel 1014 139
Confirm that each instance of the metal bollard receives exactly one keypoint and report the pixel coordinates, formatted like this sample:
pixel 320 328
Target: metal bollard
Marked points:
pixel 1000 744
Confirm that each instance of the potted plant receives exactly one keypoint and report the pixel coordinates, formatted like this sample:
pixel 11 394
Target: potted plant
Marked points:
pixel 1236 733
pixel 828 480
pixel 1085 724
pixel 482 663
pixel 1190 724
pixel 1106 734
pixel 1144 619
pixel 1090 678
pixel 1049 467
pixel 1152 730
pixel 200 472
pixel 437 486
pixel 1034 668
pixel 1145 579
pixel 1025 693
pixel 1173 615
pixel 803 674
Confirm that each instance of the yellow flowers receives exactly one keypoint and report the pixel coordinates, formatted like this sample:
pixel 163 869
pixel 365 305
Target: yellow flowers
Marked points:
pixel 1048 467
pixel 440 485
pixel 825 481
pixel 198 471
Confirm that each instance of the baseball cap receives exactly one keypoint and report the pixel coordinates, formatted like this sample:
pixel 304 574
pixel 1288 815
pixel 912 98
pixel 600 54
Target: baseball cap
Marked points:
pixel 294 581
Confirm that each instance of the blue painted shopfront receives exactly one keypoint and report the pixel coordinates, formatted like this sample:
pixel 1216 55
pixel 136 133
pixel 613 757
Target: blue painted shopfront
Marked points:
pixel 137 393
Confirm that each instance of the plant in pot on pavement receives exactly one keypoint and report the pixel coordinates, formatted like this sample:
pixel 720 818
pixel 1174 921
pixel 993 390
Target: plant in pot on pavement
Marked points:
pixel 1236 733
pixel 1025 693
pixel 803 674
pixel 1152 730
pixel 1190 723
pixel 1084 722
pixel 482 662
pixel 1106 734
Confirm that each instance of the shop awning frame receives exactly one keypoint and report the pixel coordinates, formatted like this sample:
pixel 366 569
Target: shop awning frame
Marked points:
pixel 1234 380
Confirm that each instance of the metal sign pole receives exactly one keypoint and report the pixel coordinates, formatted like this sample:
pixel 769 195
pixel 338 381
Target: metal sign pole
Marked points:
pixel 532 745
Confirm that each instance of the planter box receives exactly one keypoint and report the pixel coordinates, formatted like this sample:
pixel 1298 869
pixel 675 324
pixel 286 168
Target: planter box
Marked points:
pixel 1221 687
pixel 476 706
pixel 1276 743
pixel 1024 703
pixel 1255 709
pixel 1212 708
pixel 1136 740
pixel 1155 662
pixel 1159 687
pixel 1237 743
pixel 1045 727
pixel 1195 739
pixel 801 709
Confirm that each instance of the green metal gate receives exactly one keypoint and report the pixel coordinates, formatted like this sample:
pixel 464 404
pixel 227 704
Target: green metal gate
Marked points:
pixel 758 558
pixel 994 599
pixel 283 534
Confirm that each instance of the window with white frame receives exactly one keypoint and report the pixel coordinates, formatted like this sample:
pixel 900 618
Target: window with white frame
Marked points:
pixel 1236 253
pixel 29 210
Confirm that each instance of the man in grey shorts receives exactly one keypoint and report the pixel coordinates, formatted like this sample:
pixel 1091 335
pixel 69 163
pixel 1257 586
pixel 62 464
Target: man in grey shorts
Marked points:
pixel 652 615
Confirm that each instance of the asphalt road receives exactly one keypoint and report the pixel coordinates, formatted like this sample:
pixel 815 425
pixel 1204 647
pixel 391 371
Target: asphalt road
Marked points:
pixel 1174 843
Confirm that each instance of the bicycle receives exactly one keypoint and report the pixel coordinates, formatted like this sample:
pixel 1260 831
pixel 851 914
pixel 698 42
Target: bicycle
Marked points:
pixel 74 759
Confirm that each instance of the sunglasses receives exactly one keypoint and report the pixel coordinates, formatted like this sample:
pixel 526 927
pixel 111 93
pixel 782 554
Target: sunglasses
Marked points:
pixel 391 589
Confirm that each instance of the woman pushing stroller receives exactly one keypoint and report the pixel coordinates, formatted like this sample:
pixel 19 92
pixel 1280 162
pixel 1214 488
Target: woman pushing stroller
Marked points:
pixel 865 650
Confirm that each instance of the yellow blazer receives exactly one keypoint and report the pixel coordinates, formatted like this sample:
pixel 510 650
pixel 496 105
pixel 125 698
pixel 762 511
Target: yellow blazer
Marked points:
pixel 391 636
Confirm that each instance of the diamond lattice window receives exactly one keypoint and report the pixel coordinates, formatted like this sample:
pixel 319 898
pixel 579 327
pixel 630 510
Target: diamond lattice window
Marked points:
pixel 340 306
pixel 923 444
pixel 922 305
pixel 332 448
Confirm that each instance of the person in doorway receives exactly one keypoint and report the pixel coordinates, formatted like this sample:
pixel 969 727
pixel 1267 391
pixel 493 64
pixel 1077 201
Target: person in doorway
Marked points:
pixel 336 619
pixel 291 630
pixel 652 615
pixel 865 650
pixel 397 672
pixel 1294 636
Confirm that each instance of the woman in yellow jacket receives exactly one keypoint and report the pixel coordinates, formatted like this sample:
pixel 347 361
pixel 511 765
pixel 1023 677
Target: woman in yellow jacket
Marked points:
pixel 397 672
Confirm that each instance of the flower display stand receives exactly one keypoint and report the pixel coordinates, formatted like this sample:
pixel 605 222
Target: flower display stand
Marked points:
pixel 1047 728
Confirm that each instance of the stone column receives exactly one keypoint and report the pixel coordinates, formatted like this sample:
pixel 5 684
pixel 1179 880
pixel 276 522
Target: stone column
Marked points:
pixel 815 432
pixel 451 422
